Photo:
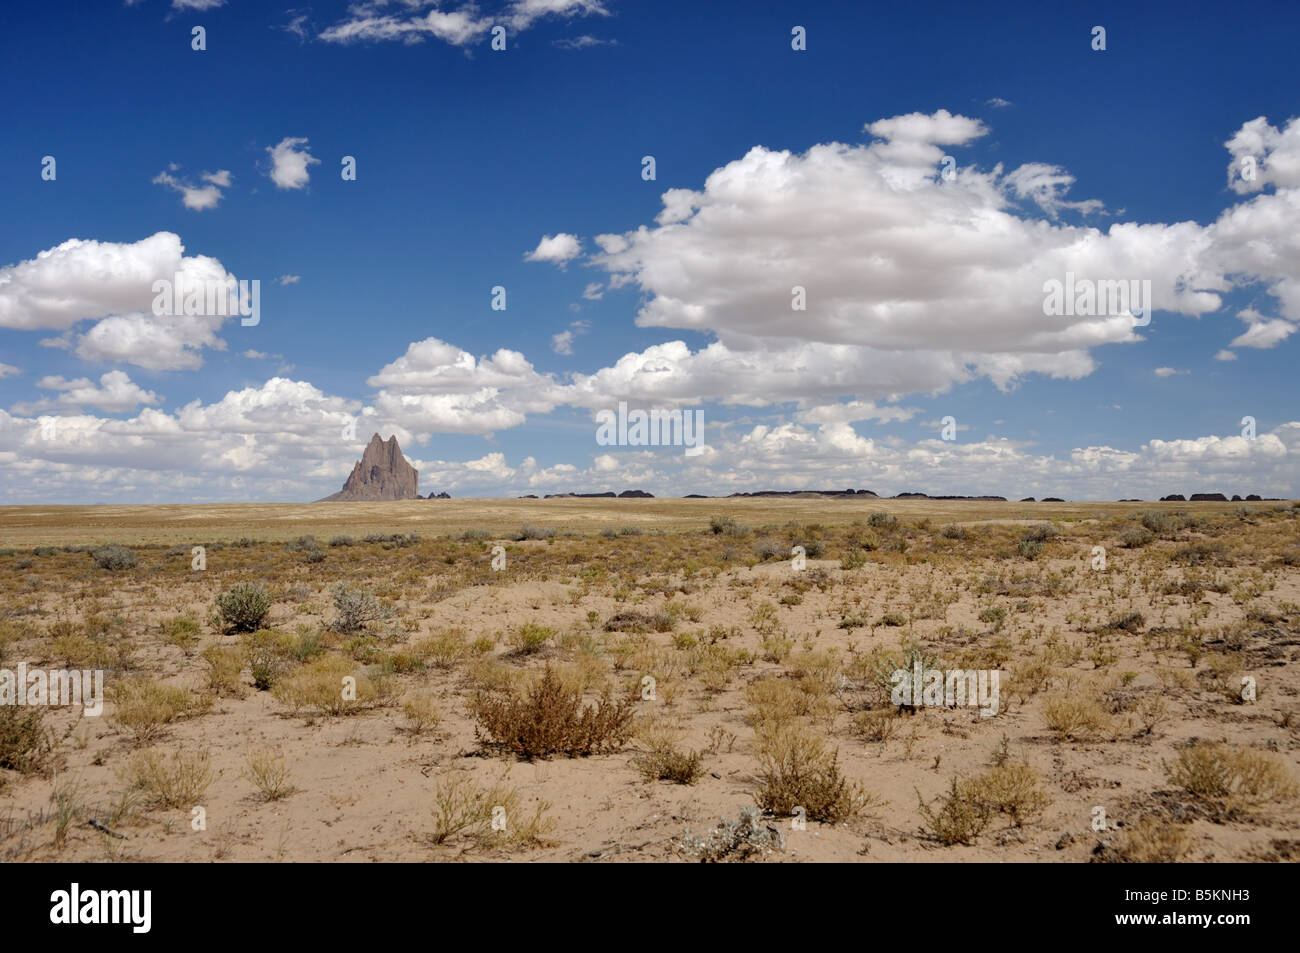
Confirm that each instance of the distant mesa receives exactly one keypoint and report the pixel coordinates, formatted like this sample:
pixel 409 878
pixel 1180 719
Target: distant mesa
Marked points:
pixel 1173 498
pixel 926 496
pixel 849 492
pixel 1053 499
pixel 1209 498
pixel 607 495
pixel 437 496
pixel 1029 499
pixel 381 474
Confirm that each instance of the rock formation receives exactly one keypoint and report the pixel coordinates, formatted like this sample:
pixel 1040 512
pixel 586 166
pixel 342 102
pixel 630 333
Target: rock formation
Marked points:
pixel 382 473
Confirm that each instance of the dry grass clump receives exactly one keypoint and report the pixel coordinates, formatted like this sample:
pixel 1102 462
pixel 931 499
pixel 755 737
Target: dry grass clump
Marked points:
pixel 875 726
pixel 25 742
pixel 1076 712
pixel 143 707
pixel 422 711
pixel 1012 788
pixel 490 816
pixel 269 772
pixel 1152 841
pixel 777 701
pixel 1231 777
pixel 445 649
pixel 328 685
pixel 662 759
pixel 225 669
pixel 179 781
pixel 798 771
pixel 549 717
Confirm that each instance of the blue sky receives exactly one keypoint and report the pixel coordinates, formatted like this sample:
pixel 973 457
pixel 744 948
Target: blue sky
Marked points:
pixel 924 295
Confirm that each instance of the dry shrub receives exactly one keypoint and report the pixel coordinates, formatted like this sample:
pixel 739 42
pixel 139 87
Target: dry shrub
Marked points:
pixel 1076 712
pixel 1012 788
pixel 461 807
pixel 143 707
pixel 269 772
pixel 662 760
pixel 798 771
pixel 1230 776
pixel 25 742
pixel 176 782
pixel 957 820
pixel 735 841
pixel 225 666
pixel 444 649
pixel 1153 841
pixel 549 717
pixel 876 726
pixel 774 702
pixel 1152 712
pixel 320 686
pixel 270 654
pixel 422 713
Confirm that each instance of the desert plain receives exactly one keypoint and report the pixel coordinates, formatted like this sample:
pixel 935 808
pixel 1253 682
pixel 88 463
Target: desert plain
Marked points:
pixel 653 680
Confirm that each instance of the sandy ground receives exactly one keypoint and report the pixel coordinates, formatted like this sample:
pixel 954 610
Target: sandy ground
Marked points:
pixel 365 785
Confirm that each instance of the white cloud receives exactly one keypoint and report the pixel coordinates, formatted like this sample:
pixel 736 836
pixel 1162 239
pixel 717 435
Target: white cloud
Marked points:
pixel 997 102
pixel 290 279
pixel 111 283
pixel 594 291
pixel 436 387
pixel 582 42
pixel 558 249
pixel 1262 332
pixel 197 5
pixel 201 197
pixel 413 21
pixel 115 394
pixel 8 370
pixel 1168 372
pixel 1262 155
pixel 1225 355
pixel 291 162
pixel 562 343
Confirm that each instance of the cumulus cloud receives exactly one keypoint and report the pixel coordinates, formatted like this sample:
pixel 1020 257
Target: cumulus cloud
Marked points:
pixel 290 279
pixel 1168 372
pixel 558 249
pixel 8 370
pixel 291 162
pixel 112 284
pixel 436 387
pixel 116 393
pixel 1263 155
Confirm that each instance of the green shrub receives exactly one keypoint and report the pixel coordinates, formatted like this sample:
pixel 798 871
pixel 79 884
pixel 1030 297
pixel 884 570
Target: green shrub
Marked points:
pixel 113 557
pixel 243 608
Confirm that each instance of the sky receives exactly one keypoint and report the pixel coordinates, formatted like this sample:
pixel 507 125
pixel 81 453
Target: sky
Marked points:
pixel 839 258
